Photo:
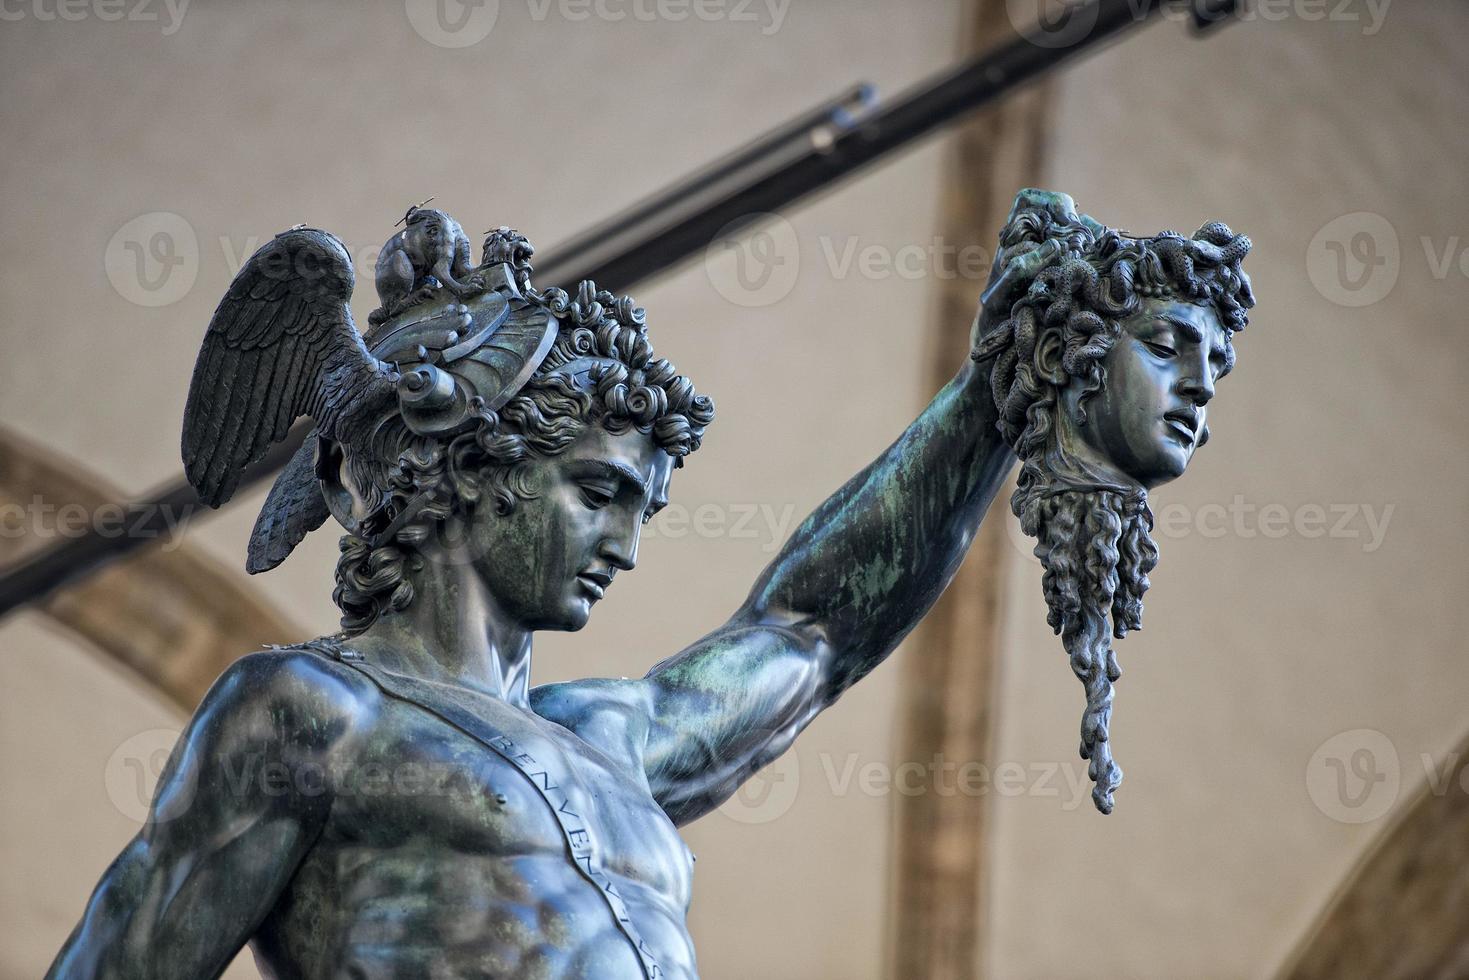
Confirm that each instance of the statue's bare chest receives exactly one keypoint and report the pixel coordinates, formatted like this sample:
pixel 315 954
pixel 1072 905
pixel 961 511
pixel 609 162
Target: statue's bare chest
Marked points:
pixel 419 782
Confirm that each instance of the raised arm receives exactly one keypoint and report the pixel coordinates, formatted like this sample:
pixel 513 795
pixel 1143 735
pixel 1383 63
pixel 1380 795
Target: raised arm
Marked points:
pixel 856 576
pixel 854 579
pixel 226 830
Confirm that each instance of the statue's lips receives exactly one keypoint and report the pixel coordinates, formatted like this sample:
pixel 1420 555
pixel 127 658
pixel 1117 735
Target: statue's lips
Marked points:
pixel 1184 423
pixel 594 585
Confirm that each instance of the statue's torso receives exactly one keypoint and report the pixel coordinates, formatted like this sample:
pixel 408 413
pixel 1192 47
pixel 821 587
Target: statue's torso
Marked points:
pixel 441 859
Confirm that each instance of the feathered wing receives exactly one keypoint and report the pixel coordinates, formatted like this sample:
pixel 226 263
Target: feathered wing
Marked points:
pixel 293 510
pixel 281 344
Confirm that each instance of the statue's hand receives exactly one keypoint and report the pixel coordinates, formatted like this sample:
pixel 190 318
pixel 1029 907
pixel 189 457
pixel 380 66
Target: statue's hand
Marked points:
pixel 1017 263
pixel 1009 279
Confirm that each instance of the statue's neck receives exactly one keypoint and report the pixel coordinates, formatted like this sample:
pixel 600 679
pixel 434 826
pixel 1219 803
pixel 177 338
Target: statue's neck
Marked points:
pixel 454 632
pixel 1070 462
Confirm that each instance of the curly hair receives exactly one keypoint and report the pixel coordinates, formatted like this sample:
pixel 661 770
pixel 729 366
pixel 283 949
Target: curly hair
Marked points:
pixel 1092 538
pixel 485 464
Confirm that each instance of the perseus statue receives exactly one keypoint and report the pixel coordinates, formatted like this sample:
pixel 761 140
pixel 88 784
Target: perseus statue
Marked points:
pixel 396 800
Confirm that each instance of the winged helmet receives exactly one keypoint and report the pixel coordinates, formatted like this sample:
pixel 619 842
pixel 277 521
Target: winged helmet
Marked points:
pixel 283 344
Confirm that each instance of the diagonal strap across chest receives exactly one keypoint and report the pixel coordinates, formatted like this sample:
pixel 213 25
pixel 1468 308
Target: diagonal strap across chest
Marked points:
pixel 535 757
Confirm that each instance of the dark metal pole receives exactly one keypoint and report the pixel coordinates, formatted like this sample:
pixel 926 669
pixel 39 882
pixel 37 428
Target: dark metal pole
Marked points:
pixel 776 150
pixel 808 154
pixel 912 115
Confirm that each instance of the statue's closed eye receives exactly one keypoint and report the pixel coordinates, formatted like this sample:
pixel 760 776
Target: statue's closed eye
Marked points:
pixel 595 497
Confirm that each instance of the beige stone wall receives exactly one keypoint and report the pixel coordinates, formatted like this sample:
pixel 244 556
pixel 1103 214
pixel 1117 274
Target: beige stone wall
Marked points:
pixel 1258 649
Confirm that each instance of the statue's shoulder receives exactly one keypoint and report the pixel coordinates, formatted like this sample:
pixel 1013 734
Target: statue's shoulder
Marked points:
pixel 301 684
pixel 601 711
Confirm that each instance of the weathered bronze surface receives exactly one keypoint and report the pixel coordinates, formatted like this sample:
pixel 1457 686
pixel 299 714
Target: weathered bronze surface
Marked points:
pixel 396 801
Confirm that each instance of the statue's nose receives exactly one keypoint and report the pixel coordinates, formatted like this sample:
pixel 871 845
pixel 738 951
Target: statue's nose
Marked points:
pixel 1197 388
pixel 621 554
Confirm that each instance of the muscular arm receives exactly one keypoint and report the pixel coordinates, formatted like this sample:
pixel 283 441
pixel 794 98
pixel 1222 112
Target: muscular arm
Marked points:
pixel 856 576
pixel 229 823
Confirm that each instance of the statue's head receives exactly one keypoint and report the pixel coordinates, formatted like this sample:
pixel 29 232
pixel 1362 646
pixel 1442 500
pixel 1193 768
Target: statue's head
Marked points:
pixel 428 222
pixel 543 497
pixel 1105 353
pixel 481 425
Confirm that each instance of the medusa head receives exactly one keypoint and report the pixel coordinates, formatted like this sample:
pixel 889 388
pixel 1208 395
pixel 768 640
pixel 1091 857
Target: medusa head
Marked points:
pixel 1104 352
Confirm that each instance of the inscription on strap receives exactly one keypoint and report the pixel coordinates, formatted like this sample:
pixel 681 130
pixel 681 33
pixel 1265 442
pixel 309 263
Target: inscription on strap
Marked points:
pixel 541 770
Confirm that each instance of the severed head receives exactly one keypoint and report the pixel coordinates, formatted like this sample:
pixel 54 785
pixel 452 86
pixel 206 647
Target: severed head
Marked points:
pixel 1104 350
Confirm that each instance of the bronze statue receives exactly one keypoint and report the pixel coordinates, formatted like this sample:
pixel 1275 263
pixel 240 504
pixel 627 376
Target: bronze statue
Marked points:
pixel 396 800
